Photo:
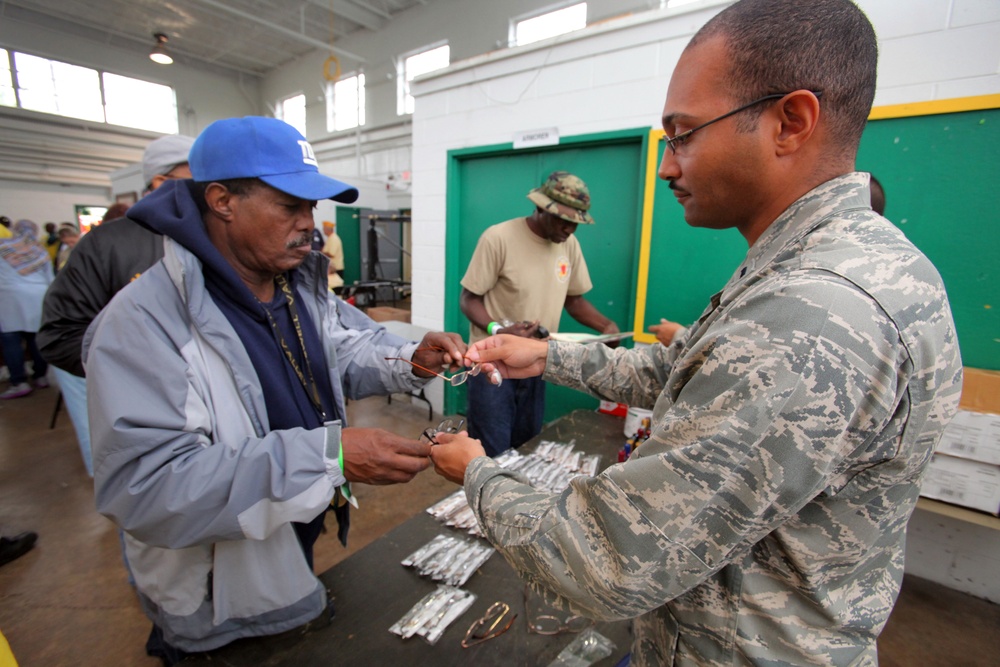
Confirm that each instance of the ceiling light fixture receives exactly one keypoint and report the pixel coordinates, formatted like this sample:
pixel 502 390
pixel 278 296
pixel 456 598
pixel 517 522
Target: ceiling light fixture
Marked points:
pixel 159 53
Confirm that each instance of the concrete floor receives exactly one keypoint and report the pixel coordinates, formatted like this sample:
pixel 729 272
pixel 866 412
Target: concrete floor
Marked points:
pixel 68 601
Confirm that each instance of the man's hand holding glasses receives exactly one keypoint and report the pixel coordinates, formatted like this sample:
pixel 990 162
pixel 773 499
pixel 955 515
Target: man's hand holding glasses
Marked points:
pixel 438 350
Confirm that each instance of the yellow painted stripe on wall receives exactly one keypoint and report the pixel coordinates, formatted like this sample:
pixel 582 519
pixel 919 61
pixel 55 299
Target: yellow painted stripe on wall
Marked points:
pixel 645 236
pixel 954 105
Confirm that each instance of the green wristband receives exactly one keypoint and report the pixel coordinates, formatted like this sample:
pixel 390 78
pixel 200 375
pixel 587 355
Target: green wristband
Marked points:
pixel 340 456
pixel 492 328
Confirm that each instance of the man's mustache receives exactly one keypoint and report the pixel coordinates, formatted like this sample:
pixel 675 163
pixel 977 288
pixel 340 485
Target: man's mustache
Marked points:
pixel 305 239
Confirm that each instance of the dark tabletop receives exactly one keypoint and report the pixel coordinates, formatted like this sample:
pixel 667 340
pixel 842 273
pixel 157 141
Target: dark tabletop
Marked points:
pixel 371 591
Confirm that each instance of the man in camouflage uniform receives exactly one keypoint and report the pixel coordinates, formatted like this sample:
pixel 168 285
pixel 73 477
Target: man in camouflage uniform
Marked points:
pixel 526 271
pixel 764 520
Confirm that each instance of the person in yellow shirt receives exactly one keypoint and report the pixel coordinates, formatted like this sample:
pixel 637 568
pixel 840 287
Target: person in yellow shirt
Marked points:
pixel 334 249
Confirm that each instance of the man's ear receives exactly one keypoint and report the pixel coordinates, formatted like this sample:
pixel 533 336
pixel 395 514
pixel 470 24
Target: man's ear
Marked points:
pixel 798 116
pixel 219 200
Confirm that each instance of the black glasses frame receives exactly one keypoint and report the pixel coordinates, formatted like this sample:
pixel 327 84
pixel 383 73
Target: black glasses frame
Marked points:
pixel 673 143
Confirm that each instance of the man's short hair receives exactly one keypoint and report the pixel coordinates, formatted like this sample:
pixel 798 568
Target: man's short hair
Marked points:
pixel 777 46
pixel 237 186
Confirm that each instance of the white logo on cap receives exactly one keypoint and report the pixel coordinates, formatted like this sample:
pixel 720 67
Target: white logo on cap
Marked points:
pixel 308 157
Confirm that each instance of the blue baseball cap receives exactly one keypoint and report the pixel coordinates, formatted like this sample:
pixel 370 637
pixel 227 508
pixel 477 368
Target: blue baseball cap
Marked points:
pixel 268 149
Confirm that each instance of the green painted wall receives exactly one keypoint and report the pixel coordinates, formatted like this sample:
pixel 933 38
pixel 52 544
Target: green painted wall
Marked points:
pixel 941 175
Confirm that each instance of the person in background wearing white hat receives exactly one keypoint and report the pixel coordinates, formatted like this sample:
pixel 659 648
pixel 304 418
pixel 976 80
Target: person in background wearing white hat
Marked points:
pixel 108 257
pixel 217 387
pixel 524 272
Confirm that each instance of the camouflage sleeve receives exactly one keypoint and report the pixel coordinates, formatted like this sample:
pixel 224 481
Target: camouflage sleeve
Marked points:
pixel 791 383
pixel 634 377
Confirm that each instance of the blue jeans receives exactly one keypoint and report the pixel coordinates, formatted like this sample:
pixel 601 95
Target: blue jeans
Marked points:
pixel 74 393
pixel 13 355
pixel 506 416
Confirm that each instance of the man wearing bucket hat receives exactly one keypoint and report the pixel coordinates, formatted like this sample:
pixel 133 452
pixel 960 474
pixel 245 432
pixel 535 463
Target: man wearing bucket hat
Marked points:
pixel 523 273
pixel 217 383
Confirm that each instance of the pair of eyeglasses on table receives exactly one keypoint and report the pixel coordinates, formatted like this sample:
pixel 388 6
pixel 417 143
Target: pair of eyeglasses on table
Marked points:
pixel 546 624
pixel 490 626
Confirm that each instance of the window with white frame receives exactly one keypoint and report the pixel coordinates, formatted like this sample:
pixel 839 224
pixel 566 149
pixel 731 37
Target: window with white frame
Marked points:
pixel 413 65
pixel 59 88
pixel 292 110
pixel 534 28
pixel 55 87
pixel 345 103
pixel 142 104
pixel 7 96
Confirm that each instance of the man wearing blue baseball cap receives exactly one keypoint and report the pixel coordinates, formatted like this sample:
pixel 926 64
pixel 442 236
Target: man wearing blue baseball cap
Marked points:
pixel 217 384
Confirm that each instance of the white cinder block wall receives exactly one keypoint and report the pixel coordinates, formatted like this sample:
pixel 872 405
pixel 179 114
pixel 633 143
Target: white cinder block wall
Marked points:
pixel 614 76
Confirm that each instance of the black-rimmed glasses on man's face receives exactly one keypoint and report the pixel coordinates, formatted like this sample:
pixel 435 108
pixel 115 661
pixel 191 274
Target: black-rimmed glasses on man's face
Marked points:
pixel 673 143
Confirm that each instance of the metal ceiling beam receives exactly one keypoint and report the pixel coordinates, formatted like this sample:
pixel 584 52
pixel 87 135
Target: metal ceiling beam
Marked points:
pixel 305 39
pixel 365 16
pixel 367 5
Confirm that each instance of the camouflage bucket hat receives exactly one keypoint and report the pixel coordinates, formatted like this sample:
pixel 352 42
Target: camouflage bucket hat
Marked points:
pixel 564 195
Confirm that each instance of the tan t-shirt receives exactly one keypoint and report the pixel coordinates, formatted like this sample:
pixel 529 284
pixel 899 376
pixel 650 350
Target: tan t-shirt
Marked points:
pixel 523 276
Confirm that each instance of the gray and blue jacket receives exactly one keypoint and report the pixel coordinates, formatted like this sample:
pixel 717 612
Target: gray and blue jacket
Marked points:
pixel 186 463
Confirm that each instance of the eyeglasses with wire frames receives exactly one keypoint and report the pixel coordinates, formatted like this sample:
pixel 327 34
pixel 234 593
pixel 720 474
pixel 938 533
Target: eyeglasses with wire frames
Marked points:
pixel 673 143
pixel 446 426
pixel 546 624
pixel 455 380
pixel 489 626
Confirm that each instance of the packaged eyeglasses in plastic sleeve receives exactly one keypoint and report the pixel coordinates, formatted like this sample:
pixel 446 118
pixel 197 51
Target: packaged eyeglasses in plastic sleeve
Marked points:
pixel 549 468
pixel 430 617
pixel 588 647
pixel 454 511
pixel 451 560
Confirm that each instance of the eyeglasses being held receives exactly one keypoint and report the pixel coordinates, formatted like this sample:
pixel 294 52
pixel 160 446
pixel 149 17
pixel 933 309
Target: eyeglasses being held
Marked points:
pixel 446 426
pixel 457 379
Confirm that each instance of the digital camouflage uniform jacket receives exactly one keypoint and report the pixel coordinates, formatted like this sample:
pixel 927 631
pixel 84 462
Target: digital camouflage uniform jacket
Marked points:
pixel 763 522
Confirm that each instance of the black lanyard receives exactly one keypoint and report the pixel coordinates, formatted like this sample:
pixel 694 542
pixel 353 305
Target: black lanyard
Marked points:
pixel 310 386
